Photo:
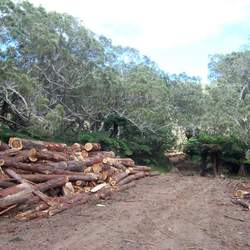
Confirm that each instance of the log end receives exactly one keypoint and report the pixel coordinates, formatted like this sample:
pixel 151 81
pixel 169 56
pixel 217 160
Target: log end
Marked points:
pixel 15 143
pixel 33 155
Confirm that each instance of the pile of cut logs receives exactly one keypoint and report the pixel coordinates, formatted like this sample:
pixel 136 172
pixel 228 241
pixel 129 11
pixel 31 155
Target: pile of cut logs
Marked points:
pixel 241 194
pixel 40 179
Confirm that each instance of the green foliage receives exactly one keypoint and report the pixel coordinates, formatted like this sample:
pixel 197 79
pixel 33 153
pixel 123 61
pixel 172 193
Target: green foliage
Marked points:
pixel 231 150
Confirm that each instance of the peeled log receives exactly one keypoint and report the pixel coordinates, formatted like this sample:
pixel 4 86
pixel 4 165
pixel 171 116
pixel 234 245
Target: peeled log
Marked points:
pixel 92 147
pixel 19 143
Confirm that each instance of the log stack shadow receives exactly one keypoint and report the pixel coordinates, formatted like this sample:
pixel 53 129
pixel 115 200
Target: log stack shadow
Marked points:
pixel 41 179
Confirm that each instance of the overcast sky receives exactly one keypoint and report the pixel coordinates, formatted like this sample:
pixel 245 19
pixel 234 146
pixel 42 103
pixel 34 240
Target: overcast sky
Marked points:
pixel 178 35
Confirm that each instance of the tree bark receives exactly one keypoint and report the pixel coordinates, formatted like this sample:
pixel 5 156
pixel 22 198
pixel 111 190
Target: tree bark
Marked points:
pixel 6 184
pixel 19 143
pixel 103 154
pixel 132 178
pixel 36 154
pixel 3 146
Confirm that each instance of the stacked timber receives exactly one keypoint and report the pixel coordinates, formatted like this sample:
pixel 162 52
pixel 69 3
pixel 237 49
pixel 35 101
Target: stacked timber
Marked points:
pixel 241 194
pixel 40 179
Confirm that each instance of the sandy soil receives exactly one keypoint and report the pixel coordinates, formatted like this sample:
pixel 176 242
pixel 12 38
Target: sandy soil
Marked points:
pixel 165 212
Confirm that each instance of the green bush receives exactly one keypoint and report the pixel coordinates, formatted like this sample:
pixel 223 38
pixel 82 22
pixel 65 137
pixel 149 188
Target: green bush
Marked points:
pixel 231 150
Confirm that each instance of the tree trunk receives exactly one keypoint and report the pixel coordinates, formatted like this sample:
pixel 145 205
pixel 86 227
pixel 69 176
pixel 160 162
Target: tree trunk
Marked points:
pixel 242 170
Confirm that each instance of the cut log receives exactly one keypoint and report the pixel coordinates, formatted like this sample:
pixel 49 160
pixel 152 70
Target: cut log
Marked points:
pixel 35 155
pixel 152 174
pixel 104 154
pixel 19 143
pixel 16 198
pixel 14 189
pixel 132 178
pixel 125 186
pixel 3 146
pixel 36 192
pixel 6 184
pixel 142 168
pixel 53 183
pixel 92 160
pixel 35 168
pixel 84 153
pixel 117 178
pixel 73 177
pixel 240 193
pixel 92 147
pixel 127 162
pixel 242 203
pixel 77 166
pixel 80 183
pixel 12 152
pixel 76 147
pixel 97 168
pixel 119 166
pixel 32 213
pixel 87 189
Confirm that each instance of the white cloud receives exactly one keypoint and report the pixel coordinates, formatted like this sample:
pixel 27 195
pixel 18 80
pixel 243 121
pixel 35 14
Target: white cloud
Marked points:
pixel 150 24
pixel 160 23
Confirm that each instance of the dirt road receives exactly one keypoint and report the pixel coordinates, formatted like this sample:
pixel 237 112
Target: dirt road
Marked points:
pixel 165 212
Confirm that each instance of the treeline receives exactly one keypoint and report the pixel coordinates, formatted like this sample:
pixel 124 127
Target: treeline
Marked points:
pixel 225 113
pixel 60 80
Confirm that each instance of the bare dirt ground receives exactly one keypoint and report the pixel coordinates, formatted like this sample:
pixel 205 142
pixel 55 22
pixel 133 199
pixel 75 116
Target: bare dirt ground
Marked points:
pixel 165 212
